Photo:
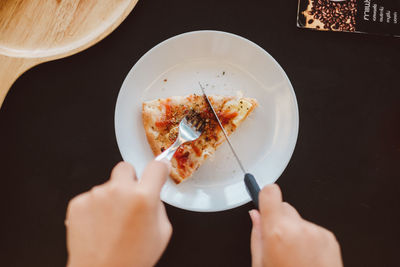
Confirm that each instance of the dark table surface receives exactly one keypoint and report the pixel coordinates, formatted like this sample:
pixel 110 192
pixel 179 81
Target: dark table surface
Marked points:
pixel 57 136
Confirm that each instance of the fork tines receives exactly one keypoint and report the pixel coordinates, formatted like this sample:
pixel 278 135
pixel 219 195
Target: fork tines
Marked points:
pixel 196 122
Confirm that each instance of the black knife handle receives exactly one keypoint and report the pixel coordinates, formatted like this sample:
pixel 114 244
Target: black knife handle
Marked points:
pixel 252 188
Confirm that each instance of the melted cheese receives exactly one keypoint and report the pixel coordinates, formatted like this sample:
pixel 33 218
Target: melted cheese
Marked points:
pixel 240 106
pixel 155 109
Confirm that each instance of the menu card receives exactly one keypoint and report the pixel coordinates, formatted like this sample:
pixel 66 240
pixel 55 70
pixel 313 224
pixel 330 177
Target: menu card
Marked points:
pixel 360 16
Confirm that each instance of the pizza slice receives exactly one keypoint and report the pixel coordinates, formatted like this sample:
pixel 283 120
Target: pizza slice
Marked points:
pixel 161 119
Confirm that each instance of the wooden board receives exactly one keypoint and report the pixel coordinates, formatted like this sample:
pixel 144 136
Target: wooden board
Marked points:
pixel 32 32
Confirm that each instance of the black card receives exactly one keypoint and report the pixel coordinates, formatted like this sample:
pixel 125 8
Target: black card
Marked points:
pixel 361 16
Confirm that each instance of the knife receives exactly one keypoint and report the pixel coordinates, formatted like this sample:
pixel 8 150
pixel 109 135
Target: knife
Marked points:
pixel 252 186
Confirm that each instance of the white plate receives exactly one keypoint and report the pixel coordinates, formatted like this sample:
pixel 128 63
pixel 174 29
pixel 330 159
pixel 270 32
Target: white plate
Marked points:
pixel 225 63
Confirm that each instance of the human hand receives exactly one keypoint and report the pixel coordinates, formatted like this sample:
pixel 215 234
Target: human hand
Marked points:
pixel 281 238
pixel 121 223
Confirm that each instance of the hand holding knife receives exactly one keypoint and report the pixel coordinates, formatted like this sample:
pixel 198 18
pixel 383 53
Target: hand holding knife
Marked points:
pixel 251 184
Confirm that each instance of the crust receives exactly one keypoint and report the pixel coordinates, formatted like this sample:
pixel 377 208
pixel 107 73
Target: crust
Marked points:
pixel 254 104
pixel 146 117
pixel 155 146
pixel 175 176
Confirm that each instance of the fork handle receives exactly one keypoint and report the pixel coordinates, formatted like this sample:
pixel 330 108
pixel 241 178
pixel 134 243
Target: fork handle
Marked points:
pixel 169 153
pixel 252 188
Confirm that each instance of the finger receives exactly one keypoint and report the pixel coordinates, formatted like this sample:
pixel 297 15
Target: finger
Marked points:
pixel 289 210
pixel 256 241
pixel 154 176
pixel 165 224
pixel 123 173
pixel 76 207
pixel 270 202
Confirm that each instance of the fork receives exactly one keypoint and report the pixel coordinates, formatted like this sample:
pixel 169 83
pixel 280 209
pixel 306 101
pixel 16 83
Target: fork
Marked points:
pixel 190 128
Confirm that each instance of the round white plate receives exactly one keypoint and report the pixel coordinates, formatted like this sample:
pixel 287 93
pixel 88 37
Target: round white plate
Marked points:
pixel 226 64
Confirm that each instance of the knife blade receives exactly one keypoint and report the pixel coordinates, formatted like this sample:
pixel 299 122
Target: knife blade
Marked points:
pixel 252 186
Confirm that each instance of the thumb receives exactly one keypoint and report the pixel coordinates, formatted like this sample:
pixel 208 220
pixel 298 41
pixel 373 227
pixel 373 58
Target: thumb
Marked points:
pixel 154 176
pixel 123 173
pixel 256 241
